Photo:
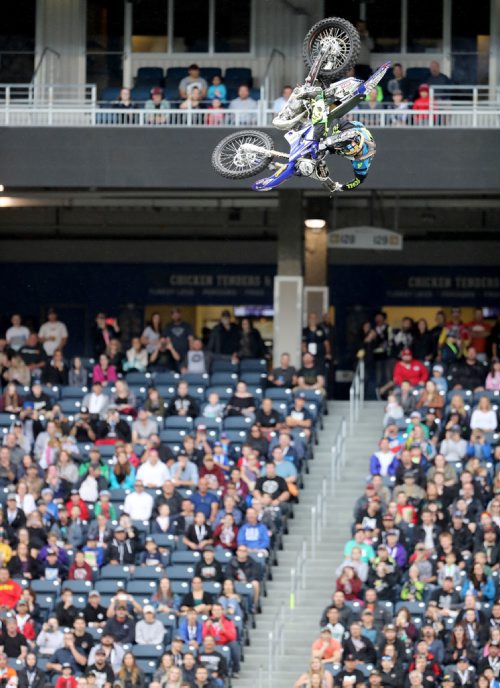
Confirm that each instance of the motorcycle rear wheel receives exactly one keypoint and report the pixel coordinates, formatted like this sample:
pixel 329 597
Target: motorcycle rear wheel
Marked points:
pixel 230 162
pixel 344 39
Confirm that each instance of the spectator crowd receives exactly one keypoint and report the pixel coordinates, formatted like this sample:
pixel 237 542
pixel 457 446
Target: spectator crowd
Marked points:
pixel 144 493
pixel 416 601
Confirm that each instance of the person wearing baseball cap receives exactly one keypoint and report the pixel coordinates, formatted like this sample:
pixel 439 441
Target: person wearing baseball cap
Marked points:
pixel 349 672
pixel 410 370
pixel 149 630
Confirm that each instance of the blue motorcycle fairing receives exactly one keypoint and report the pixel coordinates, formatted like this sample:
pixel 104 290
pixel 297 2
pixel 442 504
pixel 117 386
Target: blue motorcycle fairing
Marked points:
pixel 301 143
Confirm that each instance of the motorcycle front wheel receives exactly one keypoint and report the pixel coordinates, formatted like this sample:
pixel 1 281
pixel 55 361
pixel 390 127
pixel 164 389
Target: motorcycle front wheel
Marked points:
pixel 343 44
pixel 231 161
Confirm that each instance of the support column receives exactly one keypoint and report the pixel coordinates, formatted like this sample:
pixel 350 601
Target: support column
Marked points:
pixel 61 26
pixel 288 284
pixel 494 46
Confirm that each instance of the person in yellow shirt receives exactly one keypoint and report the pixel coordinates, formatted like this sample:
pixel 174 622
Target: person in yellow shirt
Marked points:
pixel 5 549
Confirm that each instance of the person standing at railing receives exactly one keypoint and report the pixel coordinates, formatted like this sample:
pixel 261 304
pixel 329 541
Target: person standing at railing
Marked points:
pixel 156 104
pixel 245 108
pixel 436 77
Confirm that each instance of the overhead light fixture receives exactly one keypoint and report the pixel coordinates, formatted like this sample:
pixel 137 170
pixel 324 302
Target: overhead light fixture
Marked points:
pixel 315 224
pixel 2 188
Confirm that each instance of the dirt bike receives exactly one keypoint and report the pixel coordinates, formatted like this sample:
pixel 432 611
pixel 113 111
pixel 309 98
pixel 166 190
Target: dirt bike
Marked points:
pixel 331 47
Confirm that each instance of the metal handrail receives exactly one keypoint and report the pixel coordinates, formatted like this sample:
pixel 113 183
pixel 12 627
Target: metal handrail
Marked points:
pixel 356 395
pixel 44 54
pixel 265 89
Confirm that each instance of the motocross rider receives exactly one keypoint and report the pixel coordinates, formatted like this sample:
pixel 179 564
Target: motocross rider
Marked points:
pixel 350 139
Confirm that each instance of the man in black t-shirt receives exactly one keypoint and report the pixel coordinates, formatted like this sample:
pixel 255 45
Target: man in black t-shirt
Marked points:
pixel 33 355
pixel 183 404
pixel 84 641
pixel 308 376
pixel 13 643
pixel 275 486
pixel 212 660
pixel 101 669
pixel 243 569
pixel 349 671
pixel 314 340
pixel 267 416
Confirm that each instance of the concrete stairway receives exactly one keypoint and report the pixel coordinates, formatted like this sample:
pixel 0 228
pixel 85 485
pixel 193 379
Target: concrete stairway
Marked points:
pixel 302 624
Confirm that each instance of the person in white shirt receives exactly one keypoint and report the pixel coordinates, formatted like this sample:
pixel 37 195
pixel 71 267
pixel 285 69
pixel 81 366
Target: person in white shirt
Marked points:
pixel 280 102
pixel 53 334
pixel 153 472
pixel 138 504
pixel 149 631
pixel 18 334
pixel 244 107
pixel 484 417
pixel 96 401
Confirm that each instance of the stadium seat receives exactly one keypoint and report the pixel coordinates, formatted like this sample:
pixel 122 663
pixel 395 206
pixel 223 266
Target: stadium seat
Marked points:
pixel 173 436
pixel 167 378
pixel 253 365
pixel 46 587
pixel 225 392
pixel 73 392
pixel 238 76
pixel 208 73
pixel 79 587
pixel 141 587
pixel 109 587
pixel 151 573
pixel 253 378
pixel 221 365
pixel 176 73
pixel 179 587
pixel 179 423
pixel 70 406
pixel 149 76
pixel 237 423
pixel 223 378
pixel 185 557
pixel 116 572
pixel 165 541
pixel 148 666
pixel 153 652
pixel 139 378
pixel 197 379
pixel 279 394
pixel 183 572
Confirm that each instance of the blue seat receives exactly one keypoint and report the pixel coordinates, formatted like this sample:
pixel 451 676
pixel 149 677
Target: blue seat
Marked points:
pixel 253 365
pixel 173 436
pixel 6 419
pixel 151 573
pixel 279 394
pixel 179 423
pixel 148 666
pixel 223 556
pixel 136 378
pixel 142 587
pixel 106 450
pixel 208 73
pixel 209 423
pixel 169 377
pixel 70 406
pixel 237 423
pixel 236 436
pixel 224 378
pixel 153 652
pixel 72 392
pixel 185 557
pixel 166 391
pixel 53 392
pixel 109 95
pixel 415 608
pixel 253 378
pixel 238 76
pixel 46 587
pixel 176 73
pixel 46 602
pixel 197 379
pixel 165 541
pixel 493 396
pixel 197 392
pixel 115 571
pixel 152 76
pixel 108 586
pixel 183 572
pixel 141 93
pixel 221 365
pixel 465 394
pixel 179 587
pixel 79 587
pixel 212 588
pixel 256 391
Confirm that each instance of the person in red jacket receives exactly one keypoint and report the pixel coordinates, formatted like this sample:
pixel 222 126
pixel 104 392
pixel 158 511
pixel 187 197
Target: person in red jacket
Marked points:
pixel 409 369
pixel 10 591
pixel 350 584
pixel 66 680
pixel 76 500
pixel 223 631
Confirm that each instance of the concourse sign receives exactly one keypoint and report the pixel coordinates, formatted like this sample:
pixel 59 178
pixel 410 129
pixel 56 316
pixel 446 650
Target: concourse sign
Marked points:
pixel 366 238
